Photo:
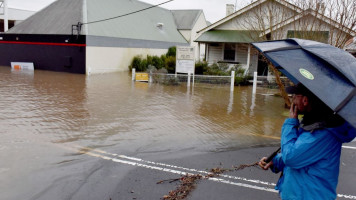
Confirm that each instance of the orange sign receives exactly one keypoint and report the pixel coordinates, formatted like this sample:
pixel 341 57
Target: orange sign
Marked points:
pixel 17 67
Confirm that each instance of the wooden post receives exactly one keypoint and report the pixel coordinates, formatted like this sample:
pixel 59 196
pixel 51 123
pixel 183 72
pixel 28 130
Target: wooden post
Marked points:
pixel 281 86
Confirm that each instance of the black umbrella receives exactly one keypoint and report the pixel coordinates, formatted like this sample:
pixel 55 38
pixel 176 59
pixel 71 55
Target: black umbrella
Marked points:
pixel 327 71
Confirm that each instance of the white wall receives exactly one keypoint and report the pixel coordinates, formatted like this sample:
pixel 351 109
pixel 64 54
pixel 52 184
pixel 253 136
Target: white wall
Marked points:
pixel 200 24
pixel 187 34
pixel 17 14
pixel 114 59
pixel 216 53
pixel 250 19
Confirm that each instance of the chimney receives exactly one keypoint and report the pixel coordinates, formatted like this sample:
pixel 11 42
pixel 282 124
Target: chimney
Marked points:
pixel 230 8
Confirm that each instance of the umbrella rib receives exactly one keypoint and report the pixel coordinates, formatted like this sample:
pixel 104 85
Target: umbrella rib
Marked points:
pixel 345 101
pixel 283 49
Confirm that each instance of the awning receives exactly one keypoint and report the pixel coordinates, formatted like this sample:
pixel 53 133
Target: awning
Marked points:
pixel 228 36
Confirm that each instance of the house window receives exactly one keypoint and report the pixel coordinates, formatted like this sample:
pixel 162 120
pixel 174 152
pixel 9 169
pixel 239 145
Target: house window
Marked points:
pixel 320 36
pixel 229 52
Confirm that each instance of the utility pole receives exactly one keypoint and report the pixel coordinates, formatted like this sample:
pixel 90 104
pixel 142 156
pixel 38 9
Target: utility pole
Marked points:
pixel 6 17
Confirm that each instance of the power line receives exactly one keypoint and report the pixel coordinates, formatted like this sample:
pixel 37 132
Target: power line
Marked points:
pixel 102 20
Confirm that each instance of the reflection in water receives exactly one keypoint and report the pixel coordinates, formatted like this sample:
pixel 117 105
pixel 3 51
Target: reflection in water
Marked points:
pixel 42 111
pixel 110 110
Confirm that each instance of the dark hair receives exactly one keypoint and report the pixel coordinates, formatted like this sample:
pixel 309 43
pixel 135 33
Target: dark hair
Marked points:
pixel 320 112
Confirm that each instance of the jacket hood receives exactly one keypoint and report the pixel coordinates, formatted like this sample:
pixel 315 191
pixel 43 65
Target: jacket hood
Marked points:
pixel 344 133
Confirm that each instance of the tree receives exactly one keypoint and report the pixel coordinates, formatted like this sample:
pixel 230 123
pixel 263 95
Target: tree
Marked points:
pixel 329 21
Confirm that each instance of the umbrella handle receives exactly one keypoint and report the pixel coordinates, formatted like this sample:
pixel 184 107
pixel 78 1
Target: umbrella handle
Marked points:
pixel 269 159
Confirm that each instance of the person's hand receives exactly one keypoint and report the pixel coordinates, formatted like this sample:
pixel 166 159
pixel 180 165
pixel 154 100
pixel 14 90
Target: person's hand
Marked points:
pixel 265 165
pixel 293 112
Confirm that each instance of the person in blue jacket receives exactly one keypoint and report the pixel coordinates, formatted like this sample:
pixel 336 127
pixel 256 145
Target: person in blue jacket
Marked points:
pixel 310 150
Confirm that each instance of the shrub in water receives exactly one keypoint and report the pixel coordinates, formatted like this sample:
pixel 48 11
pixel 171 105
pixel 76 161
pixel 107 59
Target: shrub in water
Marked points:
pixel 170 64
pixel 157 62
pixel 200 67
pixel 220 69
pixel 240 77
pixel 136 62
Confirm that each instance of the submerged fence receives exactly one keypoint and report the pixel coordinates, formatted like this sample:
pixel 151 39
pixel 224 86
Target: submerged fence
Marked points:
pixel 268 82
pixel 189 79
pixel 210 80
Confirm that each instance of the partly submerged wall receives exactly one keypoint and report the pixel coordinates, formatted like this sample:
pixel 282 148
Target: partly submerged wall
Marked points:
pixel 107 54
pixel 64 53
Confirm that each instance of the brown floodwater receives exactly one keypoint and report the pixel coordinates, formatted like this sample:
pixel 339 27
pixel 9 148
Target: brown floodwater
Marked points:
pixel 110 109
pixel 42 110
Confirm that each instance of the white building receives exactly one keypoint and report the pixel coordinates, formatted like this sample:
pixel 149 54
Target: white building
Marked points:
pixel 228 40
pixel 96 36
pixel 189 22
pixel 15 16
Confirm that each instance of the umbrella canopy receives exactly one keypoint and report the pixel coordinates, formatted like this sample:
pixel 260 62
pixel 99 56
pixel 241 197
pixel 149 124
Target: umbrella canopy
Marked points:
pixel 327 71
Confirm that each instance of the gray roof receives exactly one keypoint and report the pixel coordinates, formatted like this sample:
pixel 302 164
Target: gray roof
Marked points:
pixel 59 17
pixel 228 36
pixel 185 19
pixel 141 25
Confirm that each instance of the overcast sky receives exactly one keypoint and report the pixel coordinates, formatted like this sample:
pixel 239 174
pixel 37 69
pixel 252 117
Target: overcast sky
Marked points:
pixel 213 9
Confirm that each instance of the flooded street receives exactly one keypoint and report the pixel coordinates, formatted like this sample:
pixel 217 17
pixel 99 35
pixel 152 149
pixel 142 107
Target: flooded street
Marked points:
pixel 45 115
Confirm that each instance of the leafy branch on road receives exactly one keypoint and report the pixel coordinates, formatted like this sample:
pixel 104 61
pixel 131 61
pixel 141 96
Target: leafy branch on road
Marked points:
pixel 188 182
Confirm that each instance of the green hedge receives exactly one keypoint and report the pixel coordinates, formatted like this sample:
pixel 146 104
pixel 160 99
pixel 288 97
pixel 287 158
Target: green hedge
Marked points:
pixel 168 63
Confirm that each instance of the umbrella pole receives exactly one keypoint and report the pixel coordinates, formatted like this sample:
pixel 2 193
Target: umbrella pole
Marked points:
pixel 281 86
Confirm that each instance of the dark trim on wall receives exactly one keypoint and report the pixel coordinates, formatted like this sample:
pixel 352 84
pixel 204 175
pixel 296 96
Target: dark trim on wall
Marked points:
pixel 44 38
pixel 43 43
pixel 62 53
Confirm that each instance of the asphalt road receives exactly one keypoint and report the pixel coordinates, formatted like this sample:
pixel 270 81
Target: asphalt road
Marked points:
pixel 115 176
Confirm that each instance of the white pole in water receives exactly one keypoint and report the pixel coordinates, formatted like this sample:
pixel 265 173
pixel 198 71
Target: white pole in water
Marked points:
pixel 188 83
pixel 6 16
pixel 254 83
pixel 232 80
pixel 150 77
pixel 133 74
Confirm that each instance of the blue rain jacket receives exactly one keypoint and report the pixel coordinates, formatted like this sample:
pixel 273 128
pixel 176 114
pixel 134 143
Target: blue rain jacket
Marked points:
pixel 310 161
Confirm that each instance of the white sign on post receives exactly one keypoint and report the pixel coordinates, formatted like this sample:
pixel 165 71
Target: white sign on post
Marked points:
pixel 22 66
pixel 185 53
pixel 185 61
pixel 185 66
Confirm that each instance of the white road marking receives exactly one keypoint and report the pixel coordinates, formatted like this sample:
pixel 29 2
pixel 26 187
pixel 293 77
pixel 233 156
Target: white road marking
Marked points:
pixel 175 171
pixel 177 167
pixel 86 150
